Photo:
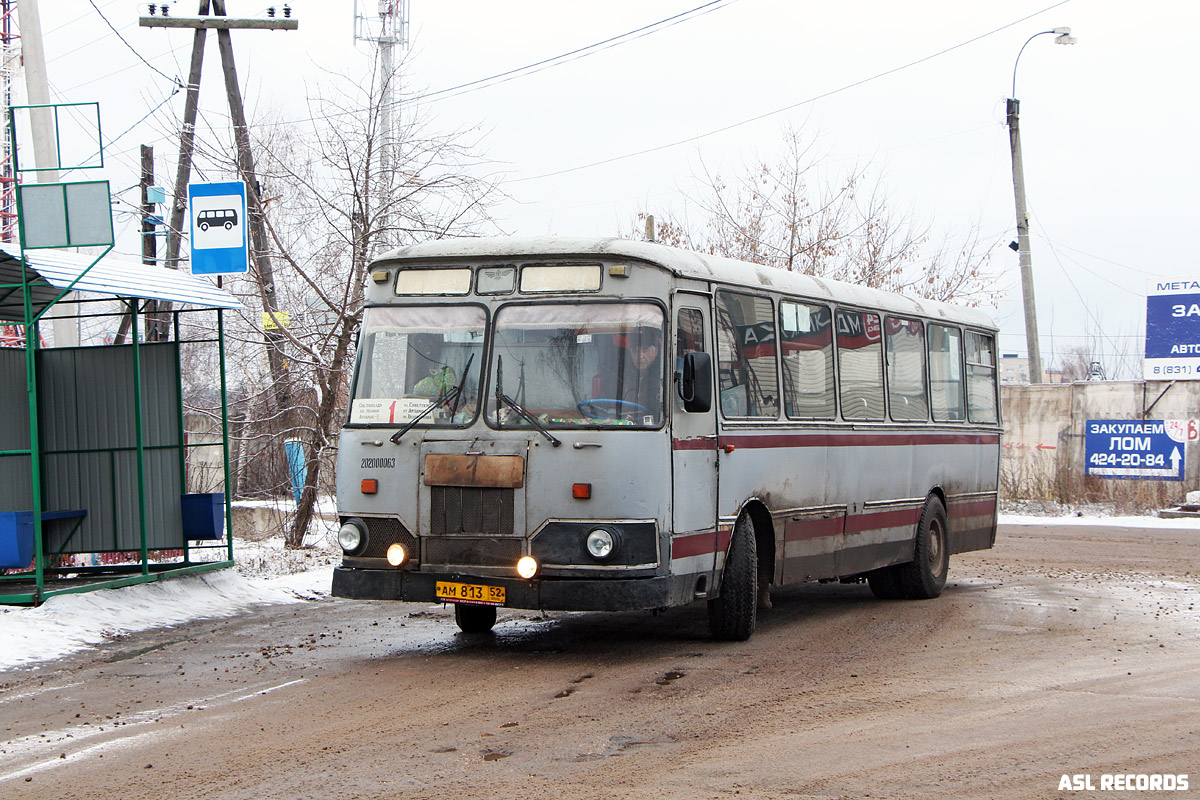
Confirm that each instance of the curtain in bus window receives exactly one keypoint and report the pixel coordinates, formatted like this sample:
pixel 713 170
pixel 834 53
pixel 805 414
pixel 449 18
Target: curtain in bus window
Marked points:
pixel 981 378
pixel 860 358
pixel 806 342
pixel 906 368
pixel 945 373
pixel 746 356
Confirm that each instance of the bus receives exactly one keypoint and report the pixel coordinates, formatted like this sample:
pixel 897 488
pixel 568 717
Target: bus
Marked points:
pixel 607 425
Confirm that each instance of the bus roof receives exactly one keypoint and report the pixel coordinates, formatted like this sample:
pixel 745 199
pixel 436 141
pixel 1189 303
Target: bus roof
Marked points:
pixel 689 264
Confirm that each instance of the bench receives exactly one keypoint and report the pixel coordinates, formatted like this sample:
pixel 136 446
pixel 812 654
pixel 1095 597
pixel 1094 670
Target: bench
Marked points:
pixel 16 534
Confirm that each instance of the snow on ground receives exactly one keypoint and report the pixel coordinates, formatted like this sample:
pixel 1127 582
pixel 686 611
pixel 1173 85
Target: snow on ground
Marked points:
pixel 266 573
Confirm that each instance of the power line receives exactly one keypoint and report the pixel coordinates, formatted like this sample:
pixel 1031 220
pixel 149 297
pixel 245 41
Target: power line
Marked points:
pixel 573 55
pixel 174 80
pixel 809 101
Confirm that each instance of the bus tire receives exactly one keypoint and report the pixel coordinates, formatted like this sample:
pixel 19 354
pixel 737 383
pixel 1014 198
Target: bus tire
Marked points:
pixel 474 619
pixel 732 615
pixel 925 576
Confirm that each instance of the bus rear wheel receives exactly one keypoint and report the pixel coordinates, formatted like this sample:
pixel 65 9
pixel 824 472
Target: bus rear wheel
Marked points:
pixel 474 619
pixel 925 576
pixel 732 615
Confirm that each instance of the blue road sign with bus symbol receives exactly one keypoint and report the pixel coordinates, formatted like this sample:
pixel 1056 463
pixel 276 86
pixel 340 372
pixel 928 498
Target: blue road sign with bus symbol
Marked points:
pixel 1151 449
pixel 218 227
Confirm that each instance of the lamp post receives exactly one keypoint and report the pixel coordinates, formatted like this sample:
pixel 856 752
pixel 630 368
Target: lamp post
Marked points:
pixel 1062 36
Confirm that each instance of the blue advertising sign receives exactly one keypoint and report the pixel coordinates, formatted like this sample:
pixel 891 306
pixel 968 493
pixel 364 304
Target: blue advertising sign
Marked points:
pixel 1172 329
pixel 1150 449
pixel 217 212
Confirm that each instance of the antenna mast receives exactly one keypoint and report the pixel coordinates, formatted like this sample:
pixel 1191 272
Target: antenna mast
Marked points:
pixel 389 30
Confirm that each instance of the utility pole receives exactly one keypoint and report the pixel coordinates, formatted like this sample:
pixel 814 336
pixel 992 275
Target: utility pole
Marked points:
pixel 1023 254
pixel 1062 36
pixel 245 160
pixel 45 141
pixel 156 323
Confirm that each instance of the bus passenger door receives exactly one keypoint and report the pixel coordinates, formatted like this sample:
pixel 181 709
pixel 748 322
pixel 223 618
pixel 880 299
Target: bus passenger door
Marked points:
pixel 693 447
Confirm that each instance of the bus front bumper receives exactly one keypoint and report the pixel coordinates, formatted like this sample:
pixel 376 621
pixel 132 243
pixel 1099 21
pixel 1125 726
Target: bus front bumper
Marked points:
pixel 548 594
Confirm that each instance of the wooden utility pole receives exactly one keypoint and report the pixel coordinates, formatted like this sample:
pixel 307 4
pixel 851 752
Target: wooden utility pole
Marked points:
pixel 260 256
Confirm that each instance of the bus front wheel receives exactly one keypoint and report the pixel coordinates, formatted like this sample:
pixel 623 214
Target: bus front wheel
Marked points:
pixel 474 619
pixel 732 615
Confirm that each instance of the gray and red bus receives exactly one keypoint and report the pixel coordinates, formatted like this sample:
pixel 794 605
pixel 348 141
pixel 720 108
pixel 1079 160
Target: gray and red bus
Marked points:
pixel 602 424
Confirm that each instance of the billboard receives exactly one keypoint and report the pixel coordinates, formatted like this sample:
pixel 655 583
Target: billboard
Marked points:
pixel 1172 329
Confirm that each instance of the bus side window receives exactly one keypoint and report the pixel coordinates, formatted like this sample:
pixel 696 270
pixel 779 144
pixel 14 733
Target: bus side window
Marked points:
pixel 689 338
pixel 860 364
pixel 907 395
pixel 945 373
pixel 807 343
pixel 748 382
pixel 981 378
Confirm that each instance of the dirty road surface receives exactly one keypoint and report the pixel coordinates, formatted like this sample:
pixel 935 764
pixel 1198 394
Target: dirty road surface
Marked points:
pixel 1065 650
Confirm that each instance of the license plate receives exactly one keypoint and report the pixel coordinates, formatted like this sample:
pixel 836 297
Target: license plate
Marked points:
pixel 469 593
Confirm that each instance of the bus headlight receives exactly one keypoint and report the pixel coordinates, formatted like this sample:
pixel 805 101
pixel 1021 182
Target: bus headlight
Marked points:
pixel 601 543
pixel 352 535
pixel 527 567
pixel 396 554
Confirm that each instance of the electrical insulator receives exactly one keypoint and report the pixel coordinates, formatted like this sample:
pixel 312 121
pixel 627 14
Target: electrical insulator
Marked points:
pixel 271 12
pixel 287 10
pixel 153 8
pixel 166 9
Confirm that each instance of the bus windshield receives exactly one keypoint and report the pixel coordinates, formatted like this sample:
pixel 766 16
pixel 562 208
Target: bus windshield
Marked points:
pixel 589 364
pixel 415 357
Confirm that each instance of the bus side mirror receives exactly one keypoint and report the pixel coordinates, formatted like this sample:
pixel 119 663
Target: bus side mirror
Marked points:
pixel 696 386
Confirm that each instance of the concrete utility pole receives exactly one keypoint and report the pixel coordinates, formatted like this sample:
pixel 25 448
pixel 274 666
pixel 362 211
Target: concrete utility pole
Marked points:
pixel 245 159
pixel 1024 256
pixel 45 140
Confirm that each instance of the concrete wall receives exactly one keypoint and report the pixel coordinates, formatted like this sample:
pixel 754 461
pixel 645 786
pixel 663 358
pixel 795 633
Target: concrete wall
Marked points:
pixel 1043 442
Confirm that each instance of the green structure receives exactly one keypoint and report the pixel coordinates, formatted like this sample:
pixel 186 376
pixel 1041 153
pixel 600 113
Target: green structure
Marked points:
pixel 94 452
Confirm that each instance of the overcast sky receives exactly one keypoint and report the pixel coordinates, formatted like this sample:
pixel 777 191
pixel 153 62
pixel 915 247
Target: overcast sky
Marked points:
pixel 915 89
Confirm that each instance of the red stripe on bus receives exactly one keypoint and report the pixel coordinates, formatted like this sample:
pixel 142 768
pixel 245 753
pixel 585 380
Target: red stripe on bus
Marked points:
pixel 858 439
pixel 694 544
pixel 798 530
pixel 974 508
pixel 882 519
pixel 696 443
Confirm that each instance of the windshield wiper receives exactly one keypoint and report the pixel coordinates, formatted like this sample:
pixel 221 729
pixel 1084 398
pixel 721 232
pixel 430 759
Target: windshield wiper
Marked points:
pixel 501 397
pixel 441 399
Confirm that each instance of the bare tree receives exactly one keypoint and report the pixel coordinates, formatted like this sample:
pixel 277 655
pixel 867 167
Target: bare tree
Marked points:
pixel 328 211
pixel 790 212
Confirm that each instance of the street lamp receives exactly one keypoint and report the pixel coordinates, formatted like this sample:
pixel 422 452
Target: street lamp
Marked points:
pixel 1062 36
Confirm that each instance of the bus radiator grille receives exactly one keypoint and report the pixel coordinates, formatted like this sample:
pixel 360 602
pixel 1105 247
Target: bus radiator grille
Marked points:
pixel 471 551
pixel 471 510
pixel 382 533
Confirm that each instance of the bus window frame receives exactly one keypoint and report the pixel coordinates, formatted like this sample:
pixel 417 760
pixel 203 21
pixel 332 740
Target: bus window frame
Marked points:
pixel 571 299
pixel 962 371
pixel 879 315
pixel 833 359
pixel 774 318
pixel 358 356
pixel 995 367
pixel 924 369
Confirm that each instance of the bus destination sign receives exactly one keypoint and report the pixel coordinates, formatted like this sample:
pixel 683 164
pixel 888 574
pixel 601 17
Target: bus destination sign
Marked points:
pixel 1151 449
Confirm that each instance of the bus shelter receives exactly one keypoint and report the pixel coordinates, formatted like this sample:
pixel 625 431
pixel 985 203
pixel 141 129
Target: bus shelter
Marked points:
pixel 98 471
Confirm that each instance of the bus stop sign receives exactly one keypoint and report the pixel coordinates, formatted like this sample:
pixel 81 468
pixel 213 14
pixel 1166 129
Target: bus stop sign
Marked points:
pixel 217 212
pixel 1150 449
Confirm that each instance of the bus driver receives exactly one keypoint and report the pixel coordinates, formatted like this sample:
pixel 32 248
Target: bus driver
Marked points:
pixel 643 385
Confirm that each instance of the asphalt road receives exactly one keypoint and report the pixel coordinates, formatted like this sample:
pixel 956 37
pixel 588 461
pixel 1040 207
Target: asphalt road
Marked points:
pixel 1063 651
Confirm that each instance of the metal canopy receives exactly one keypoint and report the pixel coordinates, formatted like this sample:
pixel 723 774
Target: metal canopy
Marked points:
pixel 57 269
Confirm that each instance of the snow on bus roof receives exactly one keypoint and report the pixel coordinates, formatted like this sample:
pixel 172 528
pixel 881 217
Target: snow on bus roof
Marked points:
pixel 686 263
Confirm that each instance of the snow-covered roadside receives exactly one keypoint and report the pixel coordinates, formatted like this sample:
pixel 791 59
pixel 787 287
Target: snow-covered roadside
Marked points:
pixel 266 573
